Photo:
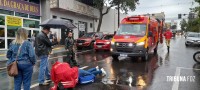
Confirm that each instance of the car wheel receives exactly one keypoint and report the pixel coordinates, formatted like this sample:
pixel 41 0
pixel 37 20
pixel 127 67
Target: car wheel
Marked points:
pixel 186 44
pixel 146 56
pixel 196 57
pixel 115 57
pixel 91 45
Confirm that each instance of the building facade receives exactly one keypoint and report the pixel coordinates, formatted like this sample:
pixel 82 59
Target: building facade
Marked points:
pixel 110 21
pixel 16 14
pixel 29 14
pixel 81 15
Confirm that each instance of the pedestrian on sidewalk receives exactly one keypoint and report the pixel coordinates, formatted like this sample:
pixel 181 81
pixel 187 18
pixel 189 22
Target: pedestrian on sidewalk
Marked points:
pixel 43 49
pixel 22 51
pixel 69 46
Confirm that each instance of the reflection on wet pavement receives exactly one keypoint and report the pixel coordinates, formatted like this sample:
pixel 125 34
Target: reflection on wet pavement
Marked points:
pixel 128 74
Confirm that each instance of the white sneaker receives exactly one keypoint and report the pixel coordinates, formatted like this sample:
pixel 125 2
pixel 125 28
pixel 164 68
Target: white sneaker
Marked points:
pixel 97 67
pixel 103 72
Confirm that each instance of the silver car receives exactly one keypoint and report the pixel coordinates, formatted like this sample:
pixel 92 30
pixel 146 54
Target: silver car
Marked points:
pixel 192 39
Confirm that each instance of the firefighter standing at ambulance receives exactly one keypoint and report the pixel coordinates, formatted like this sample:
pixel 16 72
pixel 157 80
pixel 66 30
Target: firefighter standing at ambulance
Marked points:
pixel 168 36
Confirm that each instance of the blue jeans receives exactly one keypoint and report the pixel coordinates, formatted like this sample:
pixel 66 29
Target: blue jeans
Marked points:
pixel 43 69
pixel 93 71
pixel 25 70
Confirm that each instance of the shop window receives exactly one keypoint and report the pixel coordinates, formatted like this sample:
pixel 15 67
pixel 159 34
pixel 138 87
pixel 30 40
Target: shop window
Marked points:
pixel 9 41
pixel 11 30
pixel 2 43
pixel 2 38
pixel 21 14
pixel 31 23
pixel 90 25
pixel 34 17
pixel 36 32
pixel 2 32
pixel 29 33
pixel 6 12
pixel 2 20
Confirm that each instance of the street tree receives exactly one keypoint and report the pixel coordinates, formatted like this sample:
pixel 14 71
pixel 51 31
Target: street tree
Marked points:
pixel 104 7
pixel 194 23
pixel 183 24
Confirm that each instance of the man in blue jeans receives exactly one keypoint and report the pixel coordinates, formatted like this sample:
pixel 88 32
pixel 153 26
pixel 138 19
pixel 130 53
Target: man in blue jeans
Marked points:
pixel 43 48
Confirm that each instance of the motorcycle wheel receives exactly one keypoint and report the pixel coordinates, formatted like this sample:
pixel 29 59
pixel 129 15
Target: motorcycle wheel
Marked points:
pixel 196 57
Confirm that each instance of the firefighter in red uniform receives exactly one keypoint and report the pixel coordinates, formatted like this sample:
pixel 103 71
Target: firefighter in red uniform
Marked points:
pixel 168 36
pixel 63 75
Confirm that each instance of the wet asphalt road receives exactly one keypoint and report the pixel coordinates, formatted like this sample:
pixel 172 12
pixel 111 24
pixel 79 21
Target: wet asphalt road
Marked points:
pixel 128 74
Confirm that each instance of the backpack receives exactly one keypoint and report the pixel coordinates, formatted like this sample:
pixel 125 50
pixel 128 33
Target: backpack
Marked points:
pixel 86 79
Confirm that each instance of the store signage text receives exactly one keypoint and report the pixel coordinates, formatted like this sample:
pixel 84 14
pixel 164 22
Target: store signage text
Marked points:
pixel 13 21
pixel 20 6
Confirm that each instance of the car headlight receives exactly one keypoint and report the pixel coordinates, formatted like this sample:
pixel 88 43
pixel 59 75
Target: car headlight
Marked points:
pixel 189 40
pixel 130 44
pixel 117 44
pixel 107 42
pixel 112 42
pixel 140 43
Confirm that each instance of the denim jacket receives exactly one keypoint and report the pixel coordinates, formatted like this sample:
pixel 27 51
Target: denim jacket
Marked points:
pixel 26 55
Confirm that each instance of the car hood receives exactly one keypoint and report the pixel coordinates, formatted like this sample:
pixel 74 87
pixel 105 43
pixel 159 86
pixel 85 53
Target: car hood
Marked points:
pixel 126 38
pixel 84 38
pixel 193 38
pixel 102 41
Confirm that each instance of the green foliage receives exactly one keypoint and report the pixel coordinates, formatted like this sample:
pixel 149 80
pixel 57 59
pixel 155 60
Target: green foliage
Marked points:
pixel 193 25
pixel 183 24
pixel 124 5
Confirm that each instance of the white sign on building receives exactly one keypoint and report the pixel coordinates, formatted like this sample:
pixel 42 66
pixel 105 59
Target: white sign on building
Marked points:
pixel 81 27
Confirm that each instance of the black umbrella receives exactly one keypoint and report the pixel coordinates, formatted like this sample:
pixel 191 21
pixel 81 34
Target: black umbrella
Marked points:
pixel 58 23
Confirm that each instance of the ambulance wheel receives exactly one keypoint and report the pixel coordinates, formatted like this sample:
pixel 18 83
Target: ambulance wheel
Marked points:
pixel 79 48
pixel 96 50
pixel 155 50
pixel 115 57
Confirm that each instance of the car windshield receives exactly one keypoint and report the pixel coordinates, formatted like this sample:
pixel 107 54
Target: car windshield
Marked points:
pixel 132 29
pixel 88 35
pixel 194 35
pixel 108 37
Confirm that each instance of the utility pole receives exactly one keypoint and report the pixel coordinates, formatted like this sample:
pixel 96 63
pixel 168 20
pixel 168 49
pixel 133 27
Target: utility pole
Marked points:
pixel 118 9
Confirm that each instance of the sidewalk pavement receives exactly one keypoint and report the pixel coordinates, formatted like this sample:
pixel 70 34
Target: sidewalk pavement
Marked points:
pixel 56 49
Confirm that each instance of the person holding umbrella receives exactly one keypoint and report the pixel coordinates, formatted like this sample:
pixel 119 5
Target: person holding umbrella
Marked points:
pixel 43 49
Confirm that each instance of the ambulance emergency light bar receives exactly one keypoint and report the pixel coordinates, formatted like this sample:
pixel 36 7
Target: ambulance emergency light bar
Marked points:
pixel 136 18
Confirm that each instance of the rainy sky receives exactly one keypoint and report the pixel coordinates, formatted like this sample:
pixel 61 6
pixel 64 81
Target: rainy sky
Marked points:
pixel 171 8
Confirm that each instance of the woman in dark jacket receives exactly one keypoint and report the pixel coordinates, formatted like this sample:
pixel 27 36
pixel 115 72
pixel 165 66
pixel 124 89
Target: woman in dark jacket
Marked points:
pixel 25 59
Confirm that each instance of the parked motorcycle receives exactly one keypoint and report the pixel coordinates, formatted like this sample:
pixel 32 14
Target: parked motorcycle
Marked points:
pixel 196 56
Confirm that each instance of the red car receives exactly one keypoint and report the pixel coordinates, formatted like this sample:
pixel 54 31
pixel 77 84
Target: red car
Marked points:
pixel 88 39
pixel 104 43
